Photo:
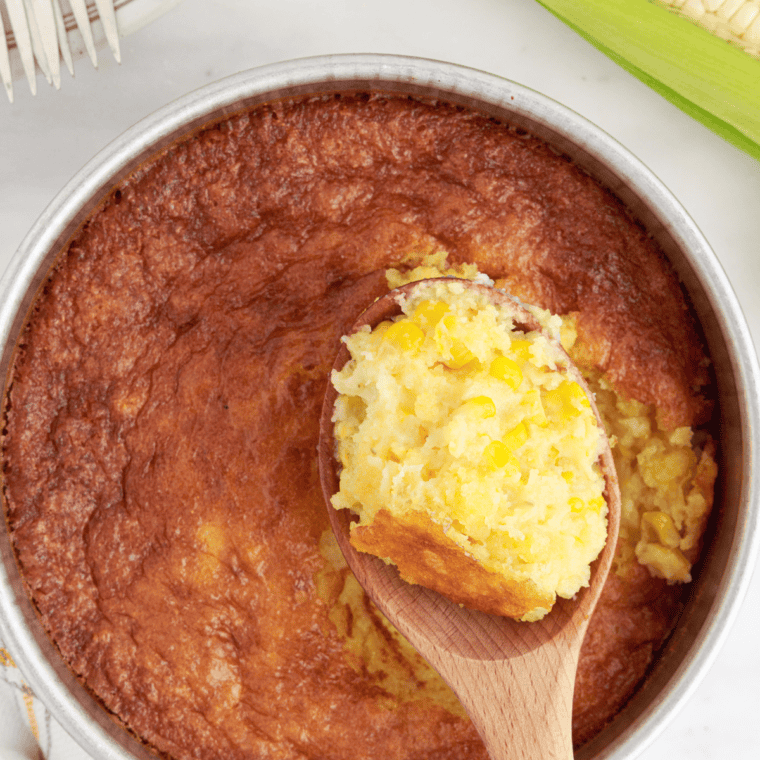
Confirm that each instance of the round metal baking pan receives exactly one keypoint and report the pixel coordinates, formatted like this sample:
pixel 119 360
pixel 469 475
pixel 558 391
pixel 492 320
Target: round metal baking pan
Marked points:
pixel 723 574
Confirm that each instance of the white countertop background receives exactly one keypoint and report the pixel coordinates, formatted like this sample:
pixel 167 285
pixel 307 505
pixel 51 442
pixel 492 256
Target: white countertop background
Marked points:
pixel 45 139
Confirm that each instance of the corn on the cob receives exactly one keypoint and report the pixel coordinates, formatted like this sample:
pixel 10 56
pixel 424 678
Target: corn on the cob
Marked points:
pixel 716 83
pixel 736 21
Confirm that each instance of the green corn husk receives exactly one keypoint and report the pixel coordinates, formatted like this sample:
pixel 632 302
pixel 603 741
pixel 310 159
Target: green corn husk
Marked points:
pixel 707 78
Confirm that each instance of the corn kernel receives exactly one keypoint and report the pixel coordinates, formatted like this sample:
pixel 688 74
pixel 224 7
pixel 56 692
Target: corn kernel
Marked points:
pixel 483 404
pixel 576 504
pixel 497 453
pixel 568 333
pixel 516 437
pixel 381 329
pixel 567 400
pixel 534 408
pixel 522 547
pixel 568 475
pixel 663 526
pixel 575 394
pixel 597 503
pixel 472 367
pixel 554 403
pixel 521 349
pixel 665 561
pixel 405 335
pixel 742 19
pixel 729 8
pixel 507 370
pixel 428 314
pixel 454 352
pixel 460 355
pixel 497 456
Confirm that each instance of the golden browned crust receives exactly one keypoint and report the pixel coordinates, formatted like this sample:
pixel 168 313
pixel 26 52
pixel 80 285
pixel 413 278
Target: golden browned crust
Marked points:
pixel 424 554
pixel 161 427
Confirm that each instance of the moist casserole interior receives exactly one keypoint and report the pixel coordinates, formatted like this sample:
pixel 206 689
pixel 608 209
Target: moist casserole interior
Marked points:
pixel 159 447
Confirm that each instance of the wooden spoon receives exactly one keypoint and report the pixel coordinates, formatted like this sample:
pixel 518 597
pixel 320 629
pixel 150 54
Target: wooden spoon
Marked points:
pixel 514 679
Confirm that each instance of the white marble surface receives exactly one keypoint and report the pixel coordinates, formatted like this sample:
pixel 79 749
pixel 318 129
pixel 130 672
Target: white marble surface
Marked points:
pixel 45 139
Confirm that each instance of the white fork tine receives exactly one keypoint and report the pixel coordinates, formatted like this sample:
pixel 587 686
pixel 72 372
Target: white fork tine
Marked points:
pixel 40 35
pixel 42 10
pixel 37 48
pixel 63 39
pixel 5 63
pixel 17 15
pixel 108 18
pixel 79 7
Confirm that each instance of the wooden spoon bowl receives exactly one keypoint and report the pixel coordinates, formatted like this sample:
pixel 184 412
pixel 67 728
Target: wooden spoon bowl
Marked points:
pixel 514 679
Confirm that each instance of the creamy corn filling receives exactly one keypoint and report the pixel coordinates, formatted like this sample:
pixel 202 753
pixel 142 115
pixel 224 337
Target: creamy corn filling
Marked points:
pixel 450 410
pixel 371 642
pixel 652 482
pixel 666 487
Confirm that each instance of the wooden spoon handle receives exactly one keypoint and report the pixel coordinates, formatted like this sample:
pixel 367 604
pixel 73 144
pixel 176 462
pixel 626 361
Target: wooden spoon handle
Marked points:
pixel 529 713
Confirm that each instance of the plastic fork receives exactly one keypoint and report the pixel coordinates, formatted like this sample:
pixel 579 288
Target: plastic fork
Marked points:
pixel 40 34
